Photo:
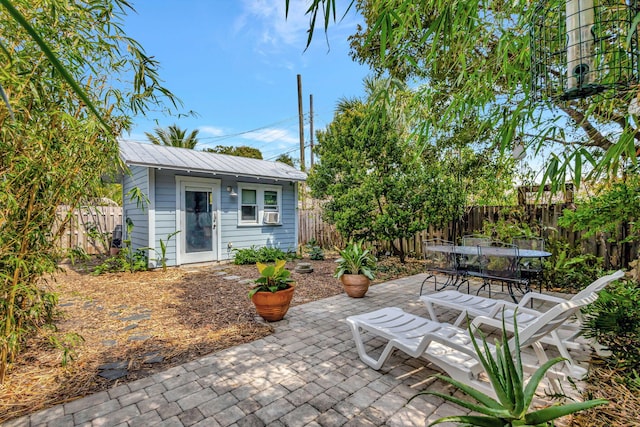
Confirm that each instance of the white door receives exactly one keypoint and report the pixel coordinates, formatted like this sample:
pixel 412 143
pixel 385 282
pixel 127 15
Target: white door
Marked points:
pixel 198 222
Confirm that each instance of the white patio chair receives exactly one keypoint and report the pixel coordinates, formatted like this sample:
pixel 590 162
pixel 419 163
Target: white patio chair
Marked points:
pixel 563 338
pixel 450 347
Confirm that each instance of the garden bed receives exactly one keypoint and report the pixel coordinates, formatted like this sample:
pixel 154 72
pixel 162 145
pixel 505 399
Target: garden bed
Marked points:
pixel 135 324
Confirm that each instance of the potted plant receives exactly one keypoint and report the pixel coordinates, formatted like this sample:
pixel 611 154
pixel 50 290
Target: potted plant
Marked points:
pixel 273 291
pixel 356 267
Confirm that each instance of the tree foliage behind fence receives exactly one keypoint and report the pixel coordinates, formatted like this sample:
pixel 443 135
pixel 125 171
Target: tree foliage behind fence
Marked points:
pixel 541 217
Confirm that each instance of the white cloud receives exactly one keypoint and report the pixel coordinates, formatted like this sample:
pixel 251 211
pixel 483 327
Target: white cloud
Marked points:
pixel 267 18
pixel 283 136
pixel 210 130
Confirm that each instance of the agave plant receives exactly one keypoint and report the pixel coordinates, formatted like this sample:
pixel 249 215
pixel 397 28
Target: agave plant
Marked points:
pixel 513 397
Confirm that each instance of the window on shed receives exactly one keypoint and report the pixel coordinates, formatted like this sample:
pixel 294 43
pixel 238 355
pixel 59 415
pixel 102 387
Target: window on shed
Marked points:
pixel 271 201
pixel 260 204
pixel 249 208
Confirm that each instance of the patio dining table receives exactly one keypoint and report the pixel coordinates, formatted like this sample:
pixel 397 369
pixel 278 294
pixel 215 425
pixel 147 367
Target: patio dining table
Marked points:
pixel 489 250
pixel 495 251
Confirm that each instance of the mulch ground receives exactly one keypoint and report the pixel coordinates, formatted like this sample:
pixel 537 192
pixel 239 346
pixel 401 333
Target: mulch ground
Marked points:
pixel 137 324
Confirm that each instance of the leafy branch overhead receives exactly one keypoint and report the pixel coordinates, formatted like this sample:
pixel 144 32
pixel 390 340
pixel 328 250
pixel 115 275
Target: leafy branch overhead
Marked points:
pixel 473 58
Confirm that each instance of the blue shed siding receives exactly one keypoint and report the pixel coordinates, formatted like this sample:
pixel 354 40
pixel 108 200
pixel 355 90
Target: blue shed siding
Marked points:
pixel 166 214
pixel 242 237
pixel 164 203
pixel 138 215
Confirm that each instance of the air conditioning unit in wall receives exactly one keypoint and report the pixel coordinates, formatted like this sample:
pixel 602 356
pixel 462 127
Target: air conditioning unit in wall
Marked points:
pixel 271 218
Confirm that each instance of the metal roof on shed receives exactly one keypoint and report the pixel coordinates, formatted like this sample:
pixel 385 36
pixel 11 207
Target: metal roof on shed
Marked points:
pixel 185 159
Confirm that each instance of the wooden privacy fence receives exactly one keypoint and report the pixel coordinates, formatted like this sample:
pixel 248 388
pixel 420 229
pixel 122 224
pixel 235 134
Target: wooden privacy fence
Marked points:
pixel 89 228
pixel 543 218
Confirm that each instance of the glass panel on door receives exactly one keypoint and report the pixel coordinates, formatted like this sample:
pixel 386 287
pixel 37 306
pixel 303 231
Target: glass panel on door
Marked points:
pixel 199 221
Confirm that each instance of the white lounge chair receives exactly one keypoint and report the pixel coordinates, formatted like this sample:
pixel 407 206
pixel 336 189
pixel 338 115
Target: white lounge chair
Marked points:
pixel 472 305
pixel 449 347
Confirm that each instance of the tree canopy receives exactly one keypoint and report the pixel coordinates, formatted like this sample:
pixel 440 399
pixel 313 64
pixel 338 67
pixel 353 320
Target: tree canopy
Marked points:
pixel 241 151
pixel 474 58
pixel 380 183
pixel 174 136
pixel 286 159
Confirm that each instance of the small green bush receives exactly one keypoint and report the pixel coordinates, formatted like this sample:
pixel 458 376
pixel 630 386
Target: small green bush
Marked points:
pixel 316 253
pixel 568 268
pixel 263 254
pixel 613 320
pixel 124 261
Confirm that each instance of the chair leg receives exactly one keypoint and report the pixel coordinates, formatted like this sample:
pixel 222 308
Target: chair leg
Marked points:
pixel 362 352
pixel 485 284
pixel 425 281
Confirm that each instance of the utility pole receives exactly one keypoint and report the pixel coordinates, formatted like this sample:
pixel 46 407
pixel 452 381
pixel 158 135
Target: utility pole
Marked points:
pixel 301 123
pixel 311 128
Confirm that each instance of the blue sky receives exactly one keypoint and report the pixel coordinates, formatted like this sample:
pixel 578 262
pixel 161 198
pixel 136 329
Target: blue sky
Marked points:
pixel 235 62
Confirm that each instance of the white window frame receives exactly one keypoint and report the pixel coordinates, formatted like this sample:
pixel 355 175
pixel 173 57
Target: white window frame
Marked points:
pixel 259 189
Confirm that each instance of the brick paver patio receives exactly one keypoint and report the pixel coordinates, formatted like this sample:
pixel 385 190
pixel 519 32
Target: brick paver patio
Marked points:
pixel 305 374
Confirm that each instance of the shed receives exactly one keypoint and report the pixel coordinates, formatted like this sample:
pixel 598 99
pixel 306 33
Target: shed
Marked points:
pixel 211 203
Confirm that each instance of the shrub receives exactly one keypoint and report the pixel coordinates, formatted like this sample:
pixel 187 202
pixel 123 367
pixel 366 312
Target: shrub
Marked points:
pixel 569 269
pixel 124 261
pixel 613 320
pixel 263 254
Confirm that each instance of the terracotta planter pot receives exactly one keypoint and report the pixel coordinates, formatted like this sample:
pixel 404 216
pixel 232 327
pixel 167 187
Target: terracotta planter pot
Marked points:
pixel 272 306
pixel 355 285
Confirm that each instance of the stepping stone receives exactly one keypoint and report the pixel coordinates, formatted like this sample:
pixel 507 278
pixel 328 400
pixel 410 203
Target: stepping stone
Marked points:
pixel 113 366
pixel 109 343
pixel 66 304
pixel 113 374
pixel 303 267
pixel 138 337
pixel 220 273
pixel 232 277
pixel 245 281
pixel 141 316
pixel 130 327
pixel 153 358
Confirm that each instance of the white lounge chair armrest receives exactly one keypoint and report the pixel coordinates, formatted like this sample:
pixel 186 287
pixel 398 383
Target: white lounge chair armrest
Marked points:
pixel 429 338
pixel 490 321
pixel 497 309
pixel 537 296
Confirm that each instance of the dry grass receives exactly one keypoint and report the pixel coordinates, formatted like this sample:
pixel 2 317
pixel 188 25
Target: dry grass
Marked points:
pixel 623 409
pixel 186 314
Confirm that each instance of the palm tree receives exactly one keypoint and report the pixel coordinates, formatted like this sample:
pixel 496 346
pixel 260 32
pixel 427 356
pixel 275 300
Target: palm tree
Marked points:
pixel 173 136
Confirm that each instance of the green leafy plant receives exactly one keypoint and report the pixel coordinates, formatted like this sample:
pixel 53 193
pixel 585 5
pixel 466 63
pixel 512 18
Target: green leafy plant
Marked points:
pixel 355 259
pixel 263 254
pixel 613 320
pixel 315 251
pixel 67 344
pixel 78 254
pixel 163 250
pixel 568 268
pixel 273 278
pixel 127 259
pixel 514 397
